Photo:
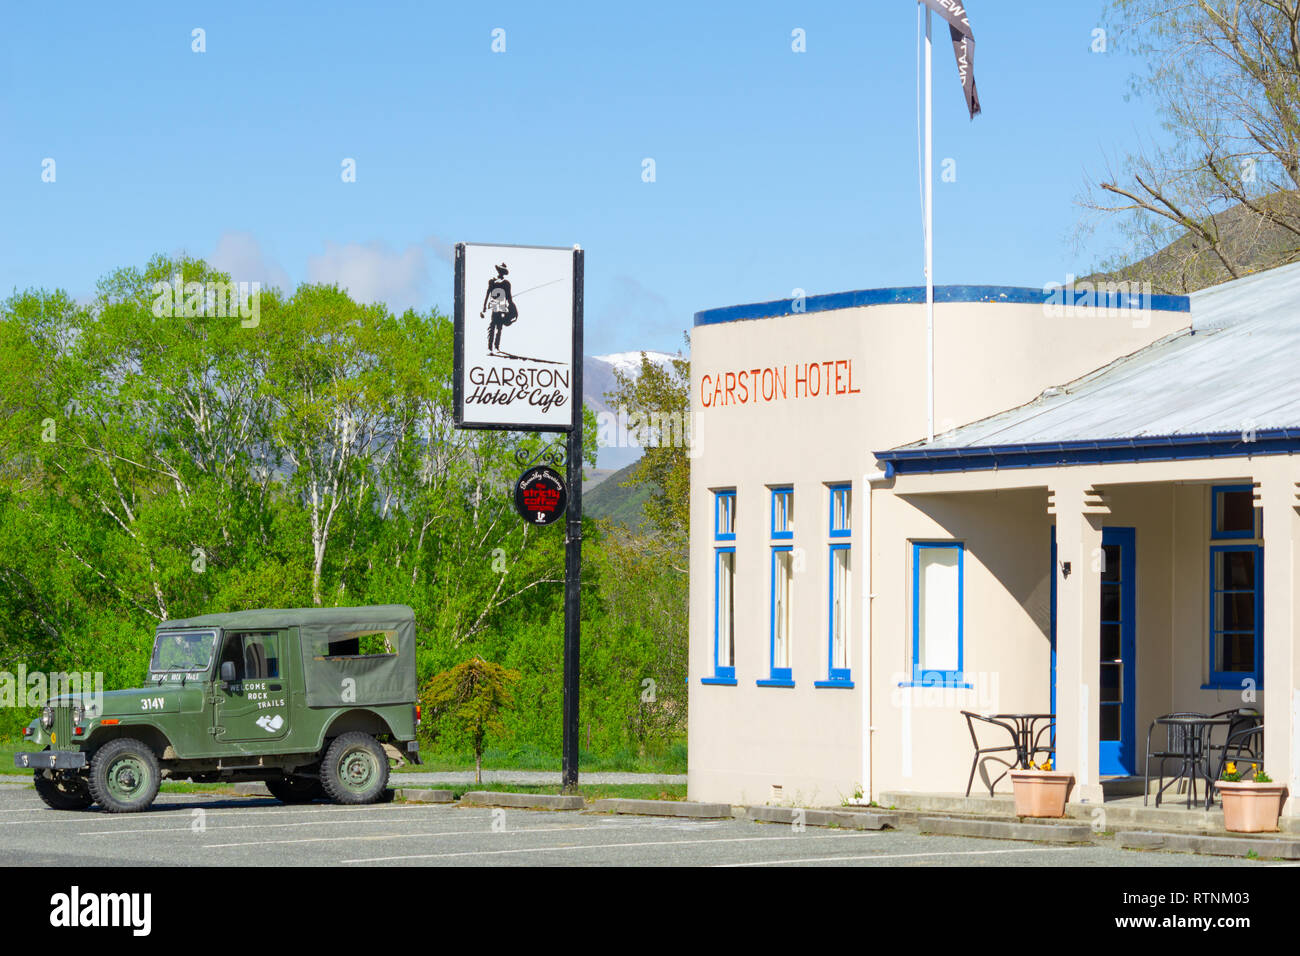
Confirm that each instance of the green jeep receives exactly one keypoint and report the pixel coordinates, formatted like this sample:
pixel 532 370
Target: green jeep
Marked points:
pixel 315 702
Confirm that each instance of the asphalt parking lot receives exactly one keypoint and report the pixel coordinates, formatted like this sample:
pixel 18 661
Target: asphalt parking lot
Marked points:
pixel 202 830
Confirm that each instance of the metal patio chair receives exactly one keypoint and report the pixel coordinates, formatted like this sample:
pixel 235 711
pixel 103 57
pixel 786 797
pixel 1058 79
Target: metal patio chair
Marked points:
pixel 1243 718
pixel 1243 746
pixel 990 753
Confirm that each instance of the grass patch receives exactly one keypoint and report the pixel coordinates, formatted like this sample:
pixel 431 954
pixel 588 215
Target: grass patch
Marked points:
pixel 627 791
pixel 671 759
pixel 7 751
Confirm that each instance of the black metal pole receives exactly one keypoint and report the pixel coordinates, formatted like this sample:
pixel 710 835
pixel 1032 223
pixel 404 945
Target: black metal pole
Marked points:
pixel 573 547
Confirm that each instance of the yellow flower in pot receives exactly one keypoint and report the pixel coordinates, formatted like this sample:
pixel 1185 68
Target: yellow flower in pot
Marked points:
pixel 1249 806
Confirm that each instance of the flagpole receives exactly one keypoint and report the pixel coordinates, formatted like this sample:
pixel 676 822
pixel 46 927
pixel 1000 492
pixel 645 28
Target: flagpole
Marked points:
pixel 929 224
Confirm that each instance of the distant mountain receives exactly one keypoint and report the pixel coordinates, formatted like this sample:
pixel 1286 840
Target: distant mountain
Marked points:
pixel 623 506
pixel 597 382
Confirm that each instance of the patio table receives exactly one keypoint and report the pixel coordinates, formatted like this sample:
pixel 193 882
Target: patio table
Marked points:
pixel 1026 735
pixel 1195 751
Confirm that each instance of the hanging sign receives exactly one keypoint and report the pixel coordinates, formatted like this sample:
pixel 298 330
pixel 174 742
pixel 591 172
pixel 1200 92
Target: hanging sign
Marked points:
pixel 515 322
pixel 541 495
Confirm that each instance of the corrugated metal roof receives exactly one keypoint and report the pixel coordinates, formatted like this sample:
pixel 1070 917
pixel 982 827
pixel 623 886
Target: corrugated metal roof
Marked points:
pixel 1237 368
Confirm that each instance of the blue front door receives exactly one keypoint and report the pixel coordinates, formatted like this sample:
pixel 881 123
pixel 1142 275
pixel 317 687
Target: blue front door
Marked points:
pixel 1118 683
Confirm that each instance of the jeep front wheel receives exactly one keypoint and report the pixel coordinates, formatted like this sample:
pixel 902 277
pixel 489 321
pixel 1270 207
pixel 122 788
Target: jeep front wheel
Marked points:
pixel 63 792
pixel 124 776
pixel 355 769
pixel 295 789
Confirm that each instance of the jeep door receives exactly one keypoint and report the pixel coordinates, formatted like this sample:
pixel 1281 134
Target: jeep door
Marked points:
pixel 254 706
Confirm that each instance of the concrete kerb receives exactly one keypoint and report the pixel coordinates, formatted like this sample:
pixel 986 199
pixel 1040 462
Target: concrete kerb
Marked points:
pixel 664 808
pixel 522 801
pixel 844 819
pixel 1246 846
pixel 426 796
pixel 1007 830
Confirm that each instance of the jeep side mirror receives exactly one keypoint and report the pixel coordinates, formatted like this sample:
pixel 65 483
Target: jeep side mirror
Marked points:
pixel 227 672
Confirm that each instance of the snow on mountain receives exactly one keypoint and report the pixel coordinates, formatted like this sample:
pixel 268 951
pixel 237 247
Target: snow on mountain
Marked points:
pixel 630 361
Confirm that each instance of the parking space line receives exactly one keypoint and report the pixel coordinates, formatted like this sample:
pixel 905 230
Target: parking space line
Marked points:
pixel 340 839
pixel 898 856
pixel 604 846
pixel 182 809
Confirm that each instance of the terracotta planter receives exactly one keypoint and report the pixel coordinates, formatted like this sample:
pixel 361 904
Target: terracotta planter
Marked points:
pixel 1250 807
pixel 1041 793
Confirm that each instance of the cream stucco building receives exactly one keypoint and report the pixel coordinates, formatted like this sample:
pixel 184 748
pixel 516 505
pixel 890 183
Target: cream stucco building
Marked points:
pixel 1104 527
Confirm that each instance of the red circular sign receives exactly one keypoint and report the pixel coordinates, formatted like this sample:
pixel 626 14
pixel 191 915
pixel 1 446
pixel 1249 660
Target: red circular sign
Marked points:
pixel 541 495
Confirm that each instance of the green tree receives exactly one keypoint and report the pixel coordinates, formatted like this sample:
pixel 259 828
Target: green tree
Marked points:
pixel 464 703
pixel 659 416
pixel 1220 196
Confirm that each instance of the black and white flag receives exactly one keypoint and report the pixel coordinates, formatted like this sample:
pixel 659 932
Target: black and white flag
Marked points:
pixel 963 45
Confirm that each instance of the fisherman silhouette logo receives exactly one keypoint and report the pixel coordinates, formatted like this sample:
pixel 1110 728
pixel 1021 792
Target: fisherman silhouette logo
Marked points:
pixel 498 301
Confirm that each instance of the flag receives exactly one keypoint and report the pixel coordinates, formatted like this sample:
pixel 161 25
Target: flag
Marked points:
pixel 963 46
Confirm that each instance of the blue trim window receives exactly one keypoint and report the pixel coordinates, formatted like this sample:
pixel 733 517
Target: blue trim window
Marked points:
pixel 938 585
pixel 724 617
pixel 841 503
pixel 724 515
pixel 1236 615
pixel 1233 513
pixel 839 618
pixel 781 618
pixel 783 513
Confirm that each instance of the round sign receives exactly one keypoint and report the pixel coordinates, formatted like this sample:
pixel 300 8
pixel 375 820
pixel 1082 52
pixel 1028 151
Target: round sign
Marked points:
pixel 540 495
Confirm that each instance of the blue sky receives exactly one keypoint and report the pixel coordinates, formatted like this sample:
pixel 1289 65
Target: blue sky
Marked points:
pixel 774 170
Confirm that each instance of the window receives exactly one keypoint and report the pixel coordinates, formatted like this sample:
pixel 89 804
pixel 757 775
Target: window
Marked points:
pixel 783 512
pixel 724 516
pixel 182 651
pixel 1236 614
pixel 1233 513
pixel 724 617
pixel 255 655
pixel 724 590
pixel 937 586
pixel 840 617
pixel 782 618
pixel 841 502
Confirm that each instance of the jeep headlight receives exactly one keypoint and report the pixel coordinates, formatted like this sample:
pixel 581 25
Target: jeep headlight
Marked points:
pixel 47 717
pixel 78 714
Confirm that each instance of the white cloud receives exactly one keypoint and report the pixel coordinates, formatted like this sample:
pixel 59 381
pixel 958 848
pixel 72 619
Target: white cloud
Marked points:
pixel 375 272
pixel 240 255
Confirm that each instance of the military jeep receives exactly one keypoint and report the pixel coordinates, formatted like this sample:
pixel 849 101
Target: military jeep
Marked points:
pixel 315 702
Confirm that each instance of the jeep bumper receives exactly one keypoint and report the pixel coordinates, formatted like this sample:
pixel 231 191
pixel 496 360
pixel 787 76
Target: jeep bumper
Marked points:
pixel 413 751
pixel 52 760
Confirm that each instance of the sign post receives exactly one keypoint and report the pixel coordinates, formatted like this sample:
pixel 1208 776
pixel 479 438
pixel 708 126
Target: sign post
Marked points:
pixel 518 367
pixel 573 549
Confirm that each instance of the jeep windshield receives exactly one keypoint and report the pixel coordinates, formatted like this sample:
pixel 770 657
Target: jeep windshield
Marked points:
pixel 182 652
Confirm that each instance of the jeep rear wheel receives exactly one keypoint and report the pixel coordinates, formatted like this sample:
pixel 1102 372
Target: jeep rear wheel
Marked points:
pixel 63 792
pixel 295 789
pixel 124 776
pixel 355 769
